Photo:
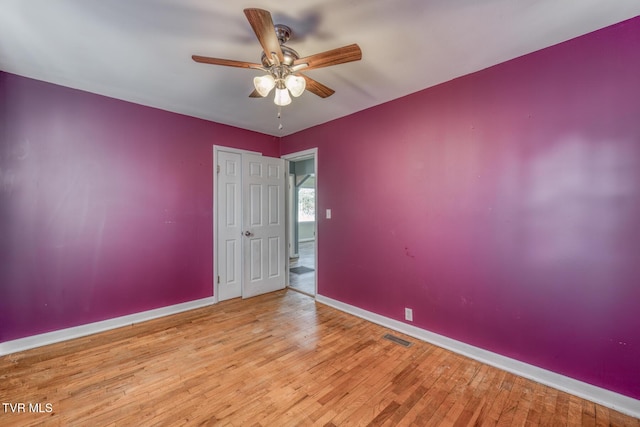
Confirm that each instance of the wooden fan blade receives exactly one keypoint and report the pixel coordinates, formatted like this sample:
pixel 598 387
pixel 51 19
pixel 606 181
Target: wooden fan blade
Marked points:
pixel 331 57
pixel 317 88
pixel 262 25
pixel 226 62
pixel 255 94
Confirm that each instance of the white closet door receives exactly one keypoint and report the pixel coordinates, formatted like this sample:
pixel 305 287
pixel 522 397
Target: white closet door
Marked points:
pixel 263 181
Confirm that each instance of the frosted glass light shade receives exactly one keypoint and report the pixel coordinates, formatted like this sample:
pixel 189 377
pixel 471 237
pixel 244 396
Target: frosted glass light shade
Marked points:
pixel 282 97
pixel 295 84
pixel 264 84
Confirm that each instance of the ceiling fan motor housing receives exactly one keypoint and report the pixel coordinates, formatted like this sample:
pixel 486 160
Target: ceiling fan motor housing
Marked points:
pixel 289 54
pixel 283 33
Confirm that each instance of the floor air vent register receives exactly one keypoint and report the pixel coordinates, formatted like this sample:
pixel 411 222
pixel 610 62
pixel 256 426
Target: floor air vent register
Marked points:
pixel 397 340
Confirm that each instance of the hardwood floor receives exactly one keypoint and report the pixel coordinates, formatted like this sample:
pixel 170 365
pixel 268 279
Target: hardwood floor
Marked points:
pixel 274 360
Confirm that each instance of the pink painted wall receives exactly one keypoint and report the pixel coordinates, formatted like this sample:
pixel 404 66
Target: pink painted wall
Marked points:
pixel 503 207
pixel 105 206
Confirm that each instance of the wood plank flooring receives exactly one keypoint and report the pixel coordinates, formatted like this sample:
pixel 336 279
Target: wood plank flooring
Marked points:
pixel 275 360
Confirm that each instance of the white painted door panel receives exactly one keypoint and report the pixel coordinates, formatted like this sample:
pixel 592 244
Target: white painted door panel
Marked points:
pixel 264 224
pixel 229 218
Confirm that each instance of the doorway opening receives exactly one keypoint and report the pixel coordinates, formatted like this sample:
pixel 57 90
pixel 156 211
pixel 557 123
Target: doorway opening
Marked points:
pixel 302 221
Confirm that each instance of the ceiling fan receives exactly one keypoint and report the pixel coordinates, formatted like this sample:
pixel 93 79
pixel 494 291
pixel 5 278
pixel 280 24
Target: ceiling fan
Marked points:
pixel 283 64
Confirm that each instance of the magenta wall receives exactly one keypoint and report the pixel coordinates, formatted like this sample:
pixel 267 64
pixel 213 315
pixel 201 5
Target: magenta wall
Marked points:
pixel 503 207
pixel 105 206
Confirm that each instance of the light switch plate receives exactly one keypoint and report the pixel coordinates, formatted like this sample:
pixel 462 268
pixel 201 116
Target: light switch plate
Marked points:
pixel 328 213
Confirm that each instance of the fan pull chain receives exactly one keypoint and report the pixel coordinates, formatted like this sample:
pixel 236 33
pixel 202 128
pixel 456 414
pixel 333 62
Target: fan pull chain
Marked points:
pixel 280 117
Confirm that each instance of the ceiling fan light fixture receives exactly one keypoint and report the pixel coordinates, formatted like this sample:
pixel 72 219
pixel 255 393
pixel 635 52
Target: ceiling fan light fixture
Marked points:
pixel 295 84
pixel 264 84
pixel 282 97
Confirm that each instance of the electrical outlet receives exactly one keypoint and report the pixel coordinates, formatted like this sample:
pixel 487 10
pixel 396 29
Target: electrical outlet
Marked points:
pixel 408 314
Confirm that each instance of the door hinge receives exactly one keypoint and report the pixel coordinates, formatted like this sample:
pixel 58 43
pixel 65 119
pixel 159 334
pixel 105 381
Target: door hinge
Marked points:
pixel 217 168
pixel 218 279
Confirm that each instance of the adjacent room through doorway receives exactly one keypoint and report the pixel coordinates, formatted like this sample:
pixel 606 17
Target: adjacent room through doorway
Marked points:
pixel 302 223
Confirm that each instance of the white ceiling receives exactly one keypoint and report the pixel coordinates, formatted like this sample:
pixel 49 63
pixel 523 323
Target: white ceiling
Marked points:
pixel 140 50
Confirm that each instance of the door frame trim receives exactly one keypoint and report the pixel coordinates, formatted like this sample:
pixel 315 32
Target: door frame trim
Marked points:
pixel 303 155
pixel 217 148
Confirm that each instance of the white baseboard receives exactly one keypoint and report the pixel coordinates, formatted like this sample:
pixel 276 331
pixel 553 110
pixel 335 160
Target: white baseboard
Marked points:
pixel 39 340
pixel 610 399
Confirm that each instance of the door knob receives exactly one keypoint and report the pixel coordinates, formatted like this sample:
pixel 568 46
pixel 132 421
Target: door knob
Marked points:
pixel 248 233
